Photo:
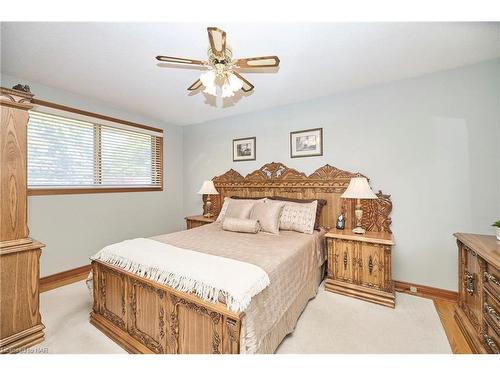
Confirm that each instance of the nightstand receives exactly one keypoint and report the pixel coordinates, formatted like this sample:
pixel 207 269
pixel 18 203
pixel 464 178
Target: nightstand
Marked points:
pixel 198 221
pixel 359 266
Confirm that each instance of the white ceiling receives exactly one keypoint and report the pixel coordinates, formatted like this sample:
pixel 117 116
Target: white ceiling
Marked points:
pixel 114 62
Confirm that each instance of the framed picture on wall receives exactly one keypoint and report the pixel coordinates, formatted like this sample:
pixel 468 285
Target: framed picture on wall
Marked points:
pixel 244 149
pixel 305 143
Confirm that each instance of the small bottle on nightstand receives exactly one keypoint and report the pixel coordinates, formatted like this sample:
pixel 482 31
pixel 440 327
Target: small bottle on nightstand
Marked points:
pixel 340 222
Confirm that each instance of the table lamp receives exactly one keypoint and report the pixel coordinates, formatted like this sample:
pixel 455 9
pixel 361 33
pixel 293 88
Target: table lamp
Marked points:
pixel 209 189
pixel 358 189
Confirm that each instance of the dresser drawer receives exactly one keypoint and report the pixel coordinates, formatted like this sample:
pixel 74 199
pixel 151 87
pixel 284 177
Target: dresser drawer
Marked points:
pixel 491 339
pixel 492 280
pixel 491 311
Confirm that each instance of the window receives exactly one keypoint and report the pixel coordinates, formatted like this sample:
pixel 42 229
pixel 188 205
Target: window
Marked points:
pixel 68 155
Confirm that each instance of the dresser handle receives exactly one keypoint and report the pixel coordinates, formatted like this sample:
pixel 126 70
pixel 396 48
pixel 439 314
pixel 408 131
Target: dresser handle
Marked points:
pixel 491 312
pixel 469 282
pixel 370 264
pixel 345 260
pixel 491 278
pixel 489 341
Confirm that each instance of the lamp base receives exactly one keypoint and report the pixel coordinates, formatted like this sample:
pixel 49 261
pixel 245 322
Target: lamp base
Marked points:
pixel 358 230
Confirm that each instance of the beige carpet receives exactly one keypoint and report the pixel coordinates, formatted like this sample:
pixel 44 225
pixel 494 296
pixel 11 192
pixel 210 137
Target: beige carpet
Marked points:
pixel 330 324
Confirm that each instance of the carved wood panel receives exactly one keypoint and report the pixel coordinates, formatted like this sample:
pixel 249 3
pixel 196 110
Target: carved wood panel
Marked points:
pixel 188 319
pixel 344 263
pixel 327 182
pixel 112 290
pixel 371 262
pixel 147 315
pixel 472 289
pixel 160 319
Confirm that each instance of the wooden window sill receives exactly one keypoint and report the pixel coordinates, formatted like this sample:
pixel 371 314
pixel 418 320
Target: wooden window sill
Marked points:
pixel 79 190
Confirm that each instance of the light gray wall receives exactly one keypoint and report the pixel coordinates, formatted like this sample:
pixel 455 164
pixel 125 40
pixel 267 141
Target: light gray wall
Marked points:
pixel 432 142
pixel 75 227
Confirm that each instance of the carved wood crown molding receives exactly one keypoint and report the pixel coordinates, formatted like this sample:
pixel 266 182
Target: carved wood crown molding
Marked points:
pixel 15 98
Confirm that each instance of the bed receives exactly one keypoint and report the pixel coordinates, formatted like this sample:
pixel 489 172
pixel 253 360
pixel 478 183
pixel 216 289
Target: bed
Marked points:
pixel 144 316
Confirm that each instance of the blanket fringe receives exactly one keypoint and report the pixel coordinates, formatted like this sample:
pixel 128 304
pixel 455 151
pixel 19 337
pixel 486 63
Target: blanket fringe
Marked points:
pixel 183 283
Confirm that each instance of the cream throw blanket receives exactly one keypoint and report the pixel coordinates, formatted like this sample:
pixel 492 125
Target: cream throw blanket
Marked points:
pixel 207 276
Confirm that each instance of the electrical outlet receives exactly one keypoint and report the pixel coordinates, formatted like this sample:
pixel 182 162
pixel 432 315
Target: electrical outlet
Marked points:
pixel 413 289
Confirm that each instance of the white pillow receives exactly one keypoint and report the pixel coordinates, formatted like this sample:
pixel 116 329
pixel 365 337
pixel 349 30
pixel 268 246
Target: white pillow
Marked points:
pixel 299 217
pixel 239 208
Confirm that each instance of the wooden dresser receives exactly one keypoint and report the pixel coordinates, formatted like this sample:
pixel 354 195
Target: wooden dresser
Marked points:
pixel 360 266
pixel 20 321
pixel 478 309
pixel 198 221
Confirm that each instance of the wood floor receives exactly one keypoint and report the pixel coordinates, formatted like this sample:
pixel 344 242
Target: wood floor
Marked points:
pixel 456 339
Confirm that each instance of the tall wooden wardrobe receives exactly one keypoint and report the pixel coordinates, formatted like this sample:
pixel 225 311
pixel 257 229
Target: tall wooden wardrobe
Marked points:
pixel 20 321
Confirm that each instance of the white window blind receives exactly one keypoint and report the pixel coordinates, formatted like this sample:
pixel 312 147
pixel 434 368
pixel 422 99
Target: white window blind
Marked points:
pixel 66 153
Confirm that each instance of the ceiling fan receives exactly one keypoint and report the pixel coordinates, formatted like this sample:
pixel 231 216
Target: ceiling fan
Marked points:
pixel 221 68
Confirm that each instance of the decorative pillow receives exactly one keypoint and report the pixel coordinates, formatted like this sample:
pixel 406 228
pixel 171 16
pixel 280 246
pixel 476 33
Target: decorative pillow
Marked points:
pixel 268 214
pixel 299 217
pixel 241 225
pixel 321 204
pixel 239 208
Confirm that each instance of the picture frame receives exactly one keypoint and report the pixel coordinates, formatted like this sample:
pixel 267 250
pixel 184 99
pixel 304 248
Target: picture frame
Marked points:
pixel 244 149
pixel 306 143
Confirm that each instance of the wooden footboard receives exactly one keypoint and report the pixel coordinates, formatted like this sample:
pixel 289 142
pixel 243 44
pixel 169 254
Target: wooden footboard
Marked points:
pixel 146 317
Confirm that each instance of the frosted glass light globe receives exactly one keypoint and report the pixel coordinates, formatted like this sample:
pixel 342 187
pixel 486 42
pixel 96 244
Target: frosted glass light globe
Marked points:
pixel 235 82
pixel 227 92
pixel 208 78
pixel 211 90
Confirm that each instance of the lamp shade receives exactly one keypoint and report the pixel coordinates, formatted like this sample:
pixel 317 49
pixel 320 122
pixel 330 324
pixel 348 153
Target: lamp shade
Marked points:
pixel 208 188
pixel 359 189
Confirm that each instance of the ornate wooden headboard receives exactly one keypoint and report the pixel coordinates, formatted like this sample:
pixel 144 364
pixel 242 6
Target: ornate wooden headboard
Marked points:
pixel 327 182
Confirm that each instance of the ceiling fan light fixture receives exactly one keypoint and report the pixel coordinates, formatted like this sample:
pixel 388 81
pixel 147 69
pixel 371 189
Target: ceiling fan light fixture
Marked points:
pixel 211 90
pixel 222 76
pixel 227 91
pixel 208 78
pixel 235 83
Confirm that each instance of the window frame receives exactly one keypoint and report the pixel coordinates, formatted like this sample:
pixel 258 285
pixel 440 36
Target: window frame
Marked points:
pixel 65 111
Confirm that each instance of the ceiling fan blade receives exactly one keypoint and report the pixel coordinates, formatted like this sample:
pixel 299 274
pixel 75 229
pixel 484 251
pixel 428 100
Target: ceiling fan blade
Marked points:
pixel 217 39
pixel 195 86
pixel 247 86
pixel 179 60
pixel 258 62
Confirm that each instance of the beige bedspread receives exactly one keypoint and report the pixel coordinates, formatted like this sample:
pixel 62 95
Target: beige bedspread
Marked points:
pixel 293 262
